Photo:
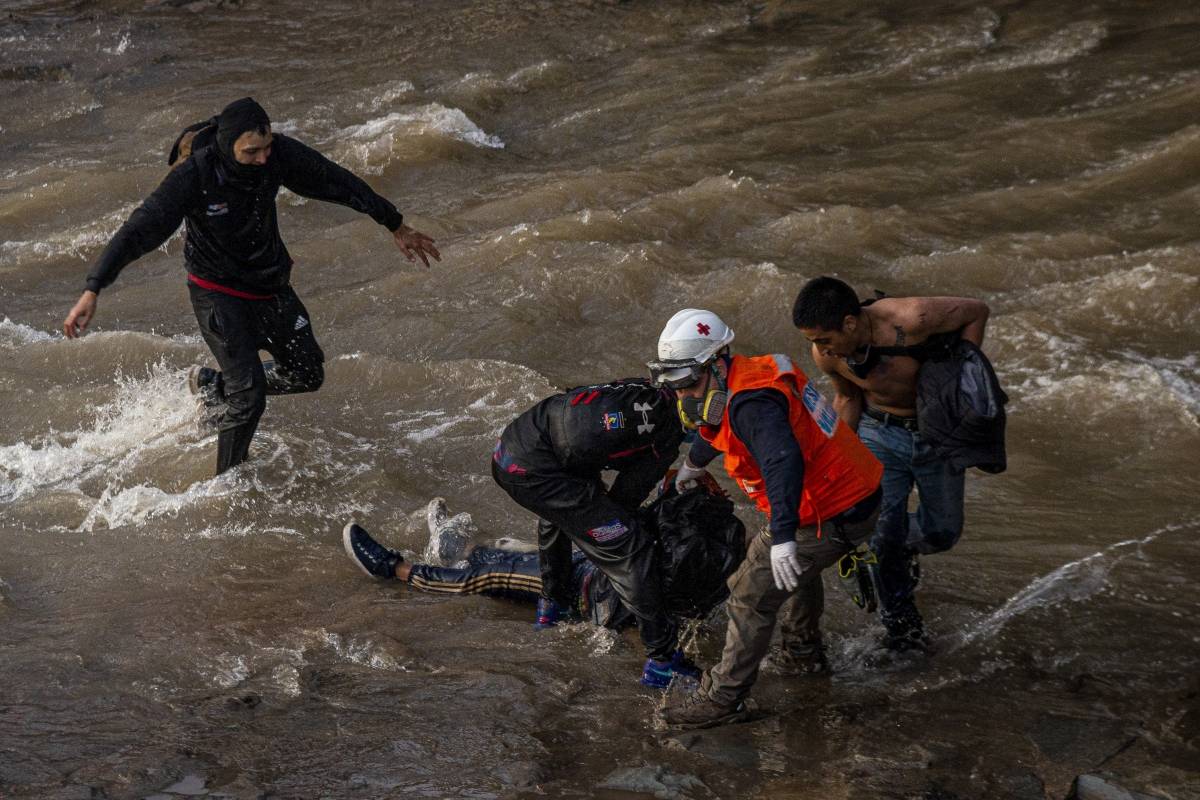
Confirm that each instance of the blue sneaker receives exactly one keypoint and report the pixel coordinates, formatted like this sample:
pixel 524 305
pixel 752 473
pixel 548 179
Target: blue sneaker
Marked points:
pixel 659 674
pixel 547 614
pixel 682 665
pixel 369 555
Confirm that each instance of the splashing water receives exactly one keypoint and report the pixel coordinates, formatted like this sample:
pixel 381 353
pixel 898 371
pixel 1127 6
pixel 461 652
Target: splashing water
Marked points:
pixel 146 415
pixel 1074 581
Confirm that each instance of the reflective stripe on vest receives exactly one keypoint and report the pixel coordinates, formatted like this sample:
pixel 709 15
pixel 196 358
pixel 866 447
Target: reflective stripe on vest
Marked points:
pixel 838 468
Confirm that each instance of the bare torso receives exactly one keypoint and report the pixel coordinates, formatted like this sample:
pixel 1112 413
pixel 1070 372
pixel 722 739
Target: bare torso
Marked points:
pixel 891 385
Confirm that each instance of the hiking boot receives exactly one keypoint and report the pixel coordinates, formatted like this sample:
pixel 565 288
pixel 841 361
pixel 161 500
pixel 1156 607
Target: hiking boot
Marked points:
pixel 904 630
pixel 370 556
pixel 699 711
pixel 547 614
pixel 803 660
pixel 910 642
pixel 659 674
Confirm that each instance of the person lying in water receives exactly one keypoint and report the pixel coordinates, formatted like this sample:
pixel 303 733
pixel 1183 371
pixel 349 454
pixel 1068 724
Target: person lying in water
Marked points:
pixel 700 544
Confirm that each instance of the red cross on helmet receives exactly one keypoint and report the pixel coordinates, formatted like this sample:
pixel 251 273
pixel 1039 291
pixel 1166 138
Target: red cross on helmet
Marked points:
pixel 691 339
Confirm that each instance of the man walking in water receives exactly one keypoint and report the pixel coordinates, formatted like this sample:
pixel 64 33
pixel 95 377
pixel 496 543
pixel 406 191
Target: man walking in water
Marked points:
pixel 872 352
pixel 238 267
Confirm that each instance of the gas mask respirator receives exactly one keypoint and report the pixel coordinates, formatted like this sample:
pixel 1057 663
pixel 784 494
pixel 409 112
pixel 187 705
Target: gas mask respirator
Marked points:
pixel 706 410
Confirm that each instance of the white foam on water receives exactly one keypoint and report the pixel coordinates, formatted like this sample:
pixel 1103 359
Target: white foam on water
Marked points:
pixel 601 641
pixel 138 504
pixel 387 94
pixel 371 145
pixel 433 431
pixel 1073 41
pixel 121 46
pixel 74 242
pixel 147 414
pixel 1072 582
pixel 16 334
pixel 1180 376
pixel 229 670
pixel 364 653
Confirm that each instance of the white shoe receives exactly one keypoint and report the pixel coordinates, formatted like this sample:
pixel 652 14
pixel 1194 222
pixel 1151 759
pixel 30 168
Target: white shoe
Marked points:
pixel 449 537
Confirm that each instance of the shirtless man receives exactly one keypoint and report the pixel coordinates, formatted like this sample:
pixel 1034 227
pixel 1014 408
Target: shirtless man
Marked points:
pixel 855 343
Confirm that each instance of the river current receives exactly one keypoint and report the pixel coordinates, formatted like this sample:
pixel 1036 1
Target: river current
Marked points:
pixel 587 169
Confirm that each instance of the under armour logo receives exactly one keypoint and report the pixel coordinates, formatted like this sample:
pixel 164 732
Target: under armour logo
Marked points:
pixel 704 329
pixel 300 322
pixel 644 409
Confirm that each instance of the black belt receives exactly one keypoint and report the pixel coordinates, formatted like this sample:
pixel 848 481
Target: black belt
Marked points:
pixel 908 423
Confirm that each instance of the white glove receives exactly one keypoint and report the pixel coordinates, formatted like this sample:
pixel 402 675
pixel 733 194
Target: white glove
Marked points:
pixel 784 566
pixel 686 477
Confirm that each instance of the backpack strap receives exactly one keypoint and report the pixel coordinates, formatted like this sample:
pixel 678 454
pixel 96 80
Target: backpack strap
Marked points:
pixel 187 140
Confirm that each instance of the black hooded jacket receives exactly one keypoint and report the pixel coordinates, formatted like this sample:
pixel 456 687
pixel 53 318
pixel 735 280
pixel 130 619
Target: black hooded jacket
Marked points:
pixel 232 237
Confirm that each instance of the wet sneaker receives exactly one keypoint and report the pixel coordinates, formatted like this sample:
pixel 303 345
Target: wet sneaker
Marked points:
pixel 547 614
pixel 798 662
pixel 659 674
pixel 370 556
pixel 698 711
pixel 449 537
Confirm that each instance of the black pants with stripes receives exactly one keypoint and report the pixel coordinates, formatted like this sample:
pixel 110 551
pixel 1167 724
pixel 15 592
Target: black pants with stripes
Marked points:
pixel 496 573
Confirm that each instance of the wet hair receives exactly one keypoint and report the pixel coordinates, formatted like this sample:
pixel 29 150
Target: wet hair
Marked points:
pixel 824 303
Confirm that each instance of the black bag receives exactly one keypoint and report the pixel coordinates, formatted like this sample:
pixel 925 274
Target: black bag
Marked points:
pixel 960 408
pixel 700 544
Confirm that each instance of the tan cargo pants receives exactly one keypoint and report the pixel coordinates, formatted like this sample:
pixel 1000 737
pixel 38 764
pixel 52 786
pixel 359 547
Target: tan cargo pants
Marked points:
pixel 756 604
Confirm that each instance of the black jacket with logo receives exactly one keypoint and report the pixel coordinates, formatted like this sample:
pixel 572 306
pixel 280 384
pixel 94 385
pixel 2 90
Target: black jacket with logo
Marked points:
pixel 626 425
pixel 232 236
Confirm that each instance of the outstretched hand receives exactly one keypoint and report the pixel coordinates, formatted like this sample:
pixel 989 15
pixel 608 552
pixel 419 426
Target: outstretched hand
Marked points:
pixel 80 315
pixel 415 244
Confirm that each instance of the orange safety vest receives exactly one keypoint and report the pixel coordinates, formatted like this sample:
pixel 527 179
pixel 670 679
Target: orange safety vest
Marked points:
pixel 838 468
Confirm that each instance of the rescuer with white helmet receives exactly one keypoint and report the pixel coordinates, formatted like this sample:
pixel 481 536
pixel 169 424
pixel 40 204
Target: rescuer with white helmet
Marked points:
pixel 787 449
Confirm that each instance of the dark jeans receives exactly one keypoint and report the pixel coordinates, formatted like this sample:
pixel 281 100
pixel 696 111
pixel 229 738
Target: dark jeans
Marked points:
pixel 579 509
pixel 934 527
pixel 235 330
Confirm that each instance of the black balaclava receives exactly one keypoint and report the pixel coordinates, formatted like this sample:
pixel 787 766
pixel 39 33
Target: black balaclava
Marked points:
pixel 234 120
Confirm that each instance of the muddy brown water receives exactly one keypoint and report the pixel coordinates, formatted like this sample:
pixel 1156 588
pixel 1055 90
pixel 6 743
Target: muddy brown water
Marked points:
pixel 588 168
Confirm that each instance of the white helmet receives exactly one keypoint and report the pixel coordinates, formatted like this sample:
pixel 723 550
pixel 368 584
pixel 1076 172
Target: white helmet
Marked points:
pixel 691 338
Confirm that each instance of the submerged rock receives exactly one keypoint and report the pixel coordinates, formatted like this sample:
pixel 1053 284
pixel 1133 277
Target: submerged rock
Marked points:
pixel 654 780
pixel 1093 787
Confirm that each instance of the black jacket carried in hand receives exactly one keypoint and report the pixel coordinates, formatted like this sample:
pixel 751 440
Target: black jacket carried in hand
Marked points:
pixel 960 408
pixel 232 236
